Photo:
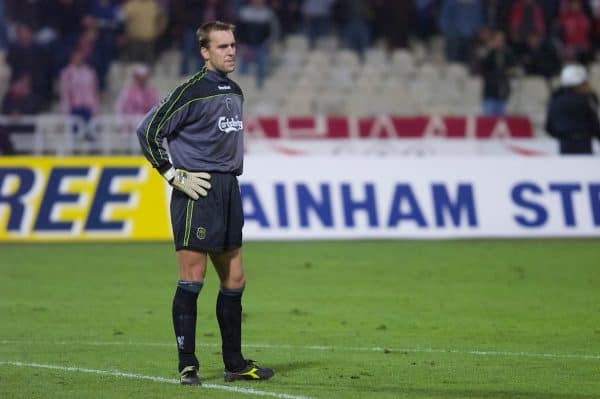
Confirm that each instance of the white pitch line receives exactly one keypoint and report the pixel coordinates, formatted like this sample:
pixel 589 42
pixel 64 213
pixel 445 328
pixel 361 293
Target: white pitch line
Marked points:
pixel 321 348
pixel 120 374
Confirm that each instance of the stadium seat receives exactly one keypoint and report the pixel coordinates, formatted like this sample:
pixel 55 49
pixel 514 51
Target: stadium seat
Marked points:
pixel 296 43
pixel 329 102
pixel 376 56
pixel 430 72
pixel 456 72
pixel 529 97
pixel 300 104
pixel 402 63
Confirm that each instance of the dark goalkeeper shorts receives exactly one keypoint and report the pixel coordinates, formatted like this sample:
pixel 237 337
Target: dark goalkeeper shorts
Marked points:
pixel 212 223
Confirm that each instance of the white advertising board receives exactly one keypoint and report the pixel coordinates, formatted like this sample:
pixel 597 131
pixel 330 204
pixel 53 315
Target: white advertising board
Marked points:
pixel 313 197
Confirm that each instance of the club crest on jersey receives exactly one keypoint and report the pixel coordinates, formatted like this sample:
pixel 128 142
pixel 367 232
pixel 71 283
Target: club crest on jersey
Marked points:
pixel 230 125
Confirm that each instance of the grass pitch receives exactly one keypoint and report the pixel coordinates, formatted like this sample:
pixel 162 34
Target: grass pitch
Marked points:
pixel 357 319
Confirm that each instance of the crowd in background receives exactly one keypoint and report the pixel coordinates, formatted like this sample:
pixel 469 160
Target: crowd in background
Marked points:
pixel 62 49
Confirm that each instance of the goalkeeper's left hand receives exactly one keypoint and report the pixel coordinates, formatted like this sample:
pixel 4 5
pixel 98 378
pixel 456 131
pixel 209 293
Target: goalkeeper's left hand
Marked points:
pixel 194 184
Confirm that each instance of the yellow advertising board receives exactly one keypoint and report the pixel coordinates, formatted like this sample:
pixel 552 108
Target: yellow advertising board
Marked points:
pixel 82 199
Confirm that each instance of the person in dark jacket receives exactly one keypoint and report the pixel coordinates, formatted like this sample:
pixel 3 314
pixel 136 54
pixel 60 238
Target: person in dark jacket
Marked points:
pixel 497 62
pixel 572 116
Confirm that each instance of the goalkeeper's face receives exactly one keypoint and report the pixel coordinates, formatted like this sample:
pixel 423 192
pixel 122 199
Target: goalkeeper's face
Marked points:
pixel 220 53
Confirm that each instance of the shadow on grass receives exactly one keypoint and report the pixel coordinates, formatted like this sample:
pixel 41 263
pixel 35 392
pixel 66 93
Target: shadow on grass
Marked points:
pixel 279 368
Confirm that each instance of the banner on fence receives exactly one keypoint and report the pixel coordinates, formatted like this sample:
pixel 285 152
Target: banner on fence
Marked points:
pixel 387 126
pixel 86 199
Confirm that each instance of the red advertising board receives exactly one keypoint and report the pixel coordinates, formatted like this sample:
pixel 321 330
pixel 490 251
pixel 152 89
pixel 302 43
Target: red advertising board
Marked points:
pixel 346 127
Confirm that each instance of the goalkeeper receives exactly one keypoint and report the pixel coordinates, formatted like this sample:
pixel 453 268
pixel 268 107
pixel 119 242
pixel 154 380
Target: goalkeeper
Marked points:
pixel 201 121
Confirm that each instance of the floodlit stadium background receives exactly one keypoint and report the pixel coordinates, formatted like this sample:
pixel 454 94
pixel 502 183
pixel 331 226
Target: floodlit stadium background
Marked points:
pixel 399 241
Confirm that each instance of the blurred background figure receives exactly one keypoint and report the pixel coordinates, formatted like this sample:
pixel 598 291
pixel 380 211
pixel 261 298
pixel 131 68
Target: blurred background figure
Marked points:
pixel 289 13
pixel 426 18
pixel 139 96
pixel 107 20
pixel 460 22
pixel 257 28
pixel 526 17
pixel 26 56
pixel 3 32
pixel 572 116
pixel 79 95
pixel 497 62
pixel 354 21
pixel 539 57
pixel 395 21
pixel 316 15
pixel 144 22
pixel 66 18
pixel 494 14
pixel 190 15
pixel 6 146
pixel 20 98
pixel 575 32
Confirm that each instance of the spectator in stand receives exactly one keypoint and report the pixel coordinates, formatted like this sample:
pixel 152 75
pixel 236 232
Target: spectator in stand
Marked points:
pixel 79 94
pixel 139 97
pixel 257 29
pixel 426 18
pixel 572 115
pixel 496 65
pixel 460 22
pixel 189 15
pixel 395 21
pixel 20 98
pixel 576 29
pixel 289 15
pixel 494 14
pixel 218 10
pixel 6 146
pixel 31 12
pixel 595 7
pixel 354 24
pixel 67 21
pixel 106 15
pixel 526 17
pixel 18 101
pixel 540 57
pixel 3 33
pixel 25 56
pixel 88 43
pixel 144 23
pixel 316 15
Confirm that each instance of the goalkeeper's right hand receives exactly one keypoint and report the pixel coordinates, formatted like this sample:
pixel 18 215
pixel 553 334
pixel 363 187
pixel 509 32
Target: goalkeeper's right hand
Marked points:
pixel 194 184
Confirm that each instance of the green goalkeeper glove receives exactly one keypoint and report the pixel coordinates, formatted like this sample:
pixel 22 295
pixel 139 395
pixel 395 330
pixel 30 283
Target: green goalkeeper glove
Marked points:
pixel 194 184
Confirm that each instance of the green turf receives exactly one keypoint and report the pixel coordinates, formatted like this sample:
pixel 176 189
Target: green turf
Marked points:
pixel 392 319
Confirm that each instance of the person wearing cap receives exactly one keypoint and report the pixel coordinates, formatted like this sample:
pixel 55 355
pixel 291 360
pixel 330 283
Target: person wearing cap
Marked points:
pixel 572 114
pixel 138 97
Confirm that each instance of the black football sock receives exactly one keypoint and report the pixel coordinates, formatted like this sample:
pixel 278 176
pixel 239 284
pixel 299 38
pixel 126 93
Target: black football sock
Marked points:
pixel 184 321
pixel 229 315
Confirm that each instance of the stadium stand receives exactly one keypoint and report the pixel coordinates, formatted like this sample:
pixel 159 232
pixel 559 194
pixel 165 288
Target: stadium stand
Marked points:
pixel 329 79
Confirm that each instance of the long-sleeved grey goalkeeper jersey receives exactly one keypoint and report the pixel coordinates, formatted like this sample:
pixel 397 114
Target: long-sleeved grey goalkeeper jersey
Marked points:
pixel 202 121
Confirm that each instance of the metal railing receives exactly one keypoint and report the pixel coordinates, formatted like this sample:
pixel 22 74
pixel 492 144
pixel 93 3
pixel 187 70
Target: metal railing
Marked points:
pixel 56 134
